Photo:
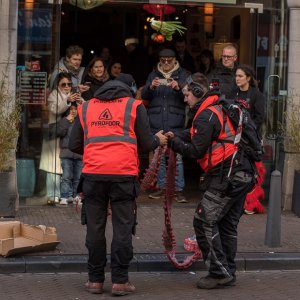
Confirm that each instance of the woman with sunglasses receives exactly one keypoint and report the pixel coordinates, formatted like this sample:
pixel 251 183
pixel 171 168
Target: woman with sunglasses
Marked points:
pixel 58 102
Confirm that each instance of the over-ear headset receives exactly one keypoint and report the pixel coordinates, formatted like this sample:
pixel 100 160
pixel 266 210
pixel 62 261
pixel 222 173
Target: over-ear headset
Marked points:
pixel 194 87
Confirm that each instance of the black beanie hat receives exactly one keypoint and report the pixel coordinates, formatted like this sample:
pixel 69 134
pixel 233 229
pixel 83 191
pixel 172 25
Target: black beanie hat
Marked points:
pixel 128 80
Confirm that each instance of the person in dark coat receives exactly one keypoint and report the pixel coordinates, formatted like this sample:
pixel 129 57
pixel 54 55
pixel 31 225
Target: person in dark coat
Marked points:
pixel 166 110
pixel 224 72
pixel 96 75
pixel 248 92
pixel 71 163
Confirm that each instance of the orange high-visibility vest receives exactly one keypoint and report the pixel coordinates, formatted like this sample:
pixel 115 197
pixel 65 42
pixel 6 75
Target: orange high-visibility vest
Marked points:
pixel 223 147
pixel 110 145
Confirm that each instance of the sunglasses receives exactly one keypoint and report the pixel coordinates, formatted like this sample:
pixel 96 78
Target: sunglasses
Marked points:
pixel 65 84
pixel 166 60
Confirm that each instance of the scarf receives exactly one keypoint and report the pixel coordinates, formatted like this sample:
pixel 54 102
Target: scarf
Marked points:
pixel 167 75
pixel 71 69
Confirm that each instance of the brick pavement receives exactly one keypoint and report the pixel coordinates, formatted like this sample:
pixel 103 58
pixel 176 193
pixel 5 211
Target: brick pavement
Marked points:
pixel 147 242
pixel 275 285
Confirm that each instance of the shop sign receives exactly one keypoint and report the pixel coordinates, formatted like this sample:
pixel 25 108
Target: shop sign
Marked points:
pixel 35 26
pixel 33 87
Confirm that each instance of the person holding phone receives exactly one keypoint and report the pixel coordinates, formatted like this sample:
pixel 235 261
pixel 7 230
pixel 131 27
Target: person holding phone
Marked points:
pixel 166 112
pixel 96 76
pixel 58 103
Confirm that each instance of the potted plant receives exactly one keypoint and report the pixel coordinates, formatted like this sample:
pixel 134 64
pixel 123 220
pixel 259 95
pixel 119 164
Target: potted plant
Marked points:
pixel 9 132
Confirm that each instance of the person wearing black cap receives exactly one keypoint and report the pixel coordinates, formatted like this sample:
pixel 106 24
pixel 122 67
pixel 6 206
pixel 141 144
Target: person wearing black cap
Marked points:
pixel 166 111
pixel 107 132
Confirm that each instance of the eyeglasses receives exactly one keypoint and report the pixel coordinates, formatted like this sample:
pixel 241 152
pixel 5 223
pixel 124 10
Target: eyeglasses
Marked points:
pixel 166 60
pixel 228 56
pixel 65 84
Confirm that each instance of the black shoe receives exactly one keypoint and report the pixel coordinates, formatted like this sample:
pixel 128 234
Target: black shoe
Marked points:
pixel 232 282
pixel 156 195
pixel 210 282
pixel 180 197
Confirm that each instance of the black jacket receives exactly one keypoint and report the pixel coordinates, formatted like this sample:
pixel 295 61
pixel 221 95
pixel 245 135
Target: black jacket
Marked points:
pixel 64 129
pixel 257 104
pixel 226 79
pixel 114 89
pixel 166 106
pixel 207 129
pixel 95 85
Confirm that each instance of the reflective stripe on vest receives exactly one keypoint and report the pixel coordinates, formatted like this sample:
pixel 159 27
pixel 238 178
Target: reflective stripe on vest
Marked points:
pixel 111 138
pixel 110 145
pixel 223 147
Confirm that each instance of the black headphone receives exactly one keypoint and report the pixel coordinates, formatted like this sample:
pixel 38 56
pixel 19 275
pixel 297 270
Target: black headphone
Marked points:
pixel 195 87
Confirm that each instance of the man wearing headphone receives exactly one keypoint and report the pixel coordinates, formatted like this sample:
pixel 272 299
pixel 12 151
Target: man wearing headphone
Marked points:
pixel 228 179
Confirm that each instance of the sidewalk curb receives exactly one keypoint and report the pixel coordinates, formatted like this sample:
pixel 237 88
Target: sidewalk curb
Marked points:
pixel 144 263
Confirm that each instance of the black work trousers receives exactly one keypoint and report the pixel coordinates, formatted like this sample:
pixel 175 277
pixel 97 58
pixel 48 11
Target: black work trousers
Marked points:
pixel 121 195
pixel 216 220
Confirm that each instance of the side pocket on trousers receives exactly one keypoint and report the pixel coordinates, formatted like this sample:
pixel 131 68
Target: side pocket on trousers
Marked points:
pixel 211 207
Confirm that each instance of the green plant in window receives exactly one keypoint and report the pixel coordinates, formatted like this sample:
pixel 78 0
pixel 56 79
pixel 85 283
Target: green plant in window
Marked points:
pixel 9 121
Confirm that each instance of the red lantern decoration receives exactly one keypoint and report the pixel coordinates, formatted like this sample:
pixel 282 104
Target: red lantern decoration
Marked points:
pixel 158 9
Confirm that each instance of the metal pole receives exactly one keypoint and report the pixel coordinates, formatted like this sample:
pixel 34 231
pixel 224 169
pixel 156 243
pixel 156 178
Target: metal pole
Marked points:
pixel 273 230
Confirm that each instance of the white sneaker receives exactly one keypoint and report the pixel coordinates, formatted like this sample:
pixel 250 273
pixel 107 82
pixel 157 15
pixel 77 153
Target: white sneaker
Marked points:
pixel 63 201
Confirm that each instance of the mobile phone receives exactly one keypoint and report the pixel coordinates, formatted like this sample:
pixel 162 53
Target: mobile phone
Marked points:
pixel 75 89
pixel 88 83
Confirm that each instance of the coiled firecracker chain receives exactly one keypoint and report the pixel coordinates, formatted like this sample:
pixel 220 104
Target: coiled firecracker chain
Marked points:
pixel 168 236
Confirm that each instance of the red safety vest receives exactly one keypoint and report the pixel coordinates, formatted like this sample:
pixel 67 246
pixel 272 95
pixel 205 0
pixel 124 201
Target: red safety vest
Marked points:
pixel 110 145
pixel 223 147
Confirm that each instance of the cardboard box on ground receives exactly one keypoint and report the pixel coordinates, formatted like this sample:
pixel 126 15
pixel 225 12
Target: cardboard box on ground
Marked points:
pixel 17 238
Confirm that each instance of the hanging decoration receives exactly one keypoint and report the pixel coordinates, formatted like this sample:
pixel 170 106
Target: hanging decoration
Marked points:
pixel 155 9
pixel 87 4
pixel 164 29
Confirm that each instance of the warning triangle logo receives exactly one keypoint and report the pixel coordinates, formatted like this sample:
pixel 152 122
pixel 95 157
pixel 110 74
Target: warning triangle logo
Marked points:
pixel 105 115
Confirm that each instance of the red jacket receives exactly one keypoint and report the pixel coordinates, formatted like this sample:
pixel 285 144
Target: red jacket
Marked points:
pixel 110 144
pixel 223 147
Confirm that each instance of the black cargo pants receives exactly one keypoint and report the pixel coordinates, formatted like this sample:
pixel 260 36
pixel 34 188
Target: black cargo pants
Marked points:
pixel 216 219
pixel 121 195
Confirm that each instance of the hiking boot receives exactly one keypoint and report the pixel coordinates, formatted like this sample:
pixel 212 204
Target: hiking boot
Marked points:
pixel 122 289
pixel 232 282
pixel 156 195
pixel 94 287
pixel 210 282
pixel 180 197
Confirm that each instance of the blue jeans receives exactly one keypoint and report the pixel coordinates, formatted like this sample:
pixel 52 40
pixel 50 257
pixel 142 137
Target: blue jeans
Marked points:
pixel 70 177
pixel 162 172
pixel 53 185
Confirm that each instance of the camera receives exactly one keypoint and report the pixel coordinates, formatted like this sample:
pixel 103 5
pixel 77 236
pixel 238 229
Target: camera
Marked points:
pixel 164 81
